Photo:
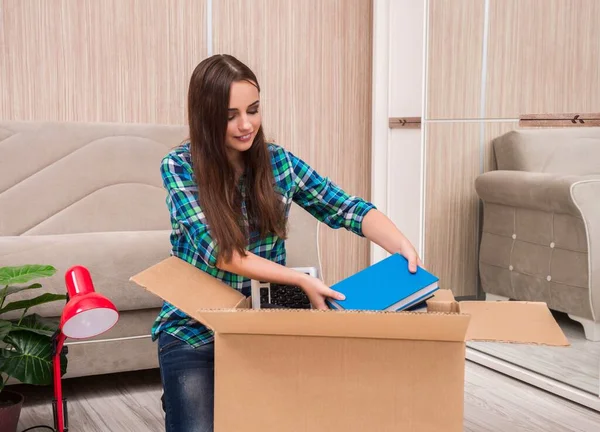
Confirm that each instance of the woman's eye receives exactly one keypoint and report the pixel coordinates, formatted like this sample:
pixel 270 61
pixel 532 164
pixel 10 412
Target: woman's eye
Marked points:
pixel 253 112
pixel 231 118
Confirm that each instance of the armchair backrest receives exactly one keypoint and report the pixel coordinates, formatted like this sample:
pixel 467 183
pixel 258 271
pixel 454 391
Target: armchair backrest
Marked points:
pixel 573 151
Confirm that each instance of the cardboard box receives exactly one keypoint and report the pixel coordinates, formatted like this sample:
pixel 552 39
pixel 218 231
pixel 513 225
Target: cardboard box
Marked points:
pixel 350 371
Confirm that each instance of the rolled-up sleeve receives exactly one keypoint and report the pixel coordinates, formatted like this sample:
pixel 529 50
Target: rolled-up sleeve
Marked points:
pixel 186 214
pixel 325 200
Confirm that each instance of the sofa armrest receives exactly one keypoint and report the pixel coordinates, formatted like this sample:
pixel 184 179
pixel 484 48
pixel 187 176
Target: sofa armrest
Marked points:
pixel 586 196
pixel 537 191
pixel 111 257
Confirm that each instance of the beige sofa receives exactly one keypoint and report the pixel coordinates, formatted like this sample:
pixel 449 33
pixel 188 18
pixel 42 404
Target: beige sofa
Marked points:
pixel 91 194
pixel 541 221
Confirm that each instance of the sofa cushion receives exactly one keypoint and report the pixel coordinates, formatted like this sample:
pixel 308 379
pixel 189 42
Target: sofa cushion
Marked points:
pixel 111 257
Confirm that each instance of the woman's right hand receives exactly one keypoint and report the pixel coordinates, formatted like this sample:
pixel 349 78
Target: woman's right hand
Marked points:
pixel 317 292
pixel 254 267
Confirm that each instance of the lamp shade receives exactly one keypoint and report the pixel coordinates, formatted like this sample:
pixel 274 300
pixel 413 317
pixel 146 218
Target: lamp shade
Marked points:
pixel 87 313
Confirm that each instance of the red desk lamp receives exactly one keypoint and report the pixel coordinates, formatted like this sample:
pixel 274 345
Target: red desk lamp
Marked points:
pixel 86 314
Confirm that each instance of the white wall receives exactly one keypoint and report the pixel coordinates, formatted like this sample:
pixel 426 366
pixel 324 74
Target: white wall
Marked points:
pixel 398 91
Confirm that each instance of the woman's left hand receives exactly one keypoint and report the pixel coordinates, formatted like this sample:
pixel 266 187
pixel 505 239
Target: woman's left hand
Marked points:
pixel 408 251
pixel 378 228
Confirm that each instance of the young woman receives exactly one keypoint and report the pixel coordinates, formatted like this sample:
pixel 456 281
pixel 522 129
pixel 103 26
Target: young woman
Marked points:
pixel 229 193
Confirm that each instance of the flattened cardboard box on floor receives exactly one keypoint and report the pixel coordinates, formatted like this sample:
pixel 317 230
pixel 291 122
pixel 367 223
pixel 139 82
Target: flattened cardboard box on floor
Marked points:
pixel 350 371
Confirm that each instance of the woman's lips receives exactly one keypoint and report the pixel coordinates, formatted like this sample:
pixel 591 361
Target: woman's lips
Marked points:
pixel 244 138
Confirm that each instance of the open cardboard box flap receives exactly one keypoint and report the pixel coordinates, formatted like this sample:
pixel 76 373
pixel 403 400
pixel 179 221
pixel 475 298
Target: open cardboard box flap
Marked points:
pixel 226 310
pixel 503 321
pixel 187 287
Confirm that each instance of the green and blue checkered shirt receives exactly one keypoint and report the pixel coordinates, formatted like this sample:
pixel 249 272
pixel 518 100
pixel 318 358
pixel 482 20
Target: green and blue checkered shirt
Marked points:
pixel 191 239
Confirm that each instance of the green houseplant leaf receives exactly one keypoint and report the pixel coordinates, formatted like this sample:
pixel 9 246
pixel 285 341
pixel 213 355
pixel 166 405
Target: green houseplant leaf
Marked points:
pixel 36 301
pixel 25 273
pixel 36 324
pixel 15 289
pixel 29 358
pixel 5 327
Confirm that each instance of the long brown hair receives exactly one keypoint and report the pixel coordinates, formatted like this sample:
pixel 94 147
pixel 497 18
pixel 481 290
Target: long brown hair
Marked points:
pixel 208 103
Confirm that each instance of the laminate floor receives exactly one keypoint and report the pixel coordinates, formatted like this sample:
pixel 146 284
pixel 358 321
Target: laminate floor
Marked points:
pixel 577 365
pixel 131 403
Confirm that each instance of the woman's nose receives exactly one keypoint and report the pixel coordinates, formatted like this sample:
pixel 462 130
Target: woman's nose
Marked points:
pixel 244 123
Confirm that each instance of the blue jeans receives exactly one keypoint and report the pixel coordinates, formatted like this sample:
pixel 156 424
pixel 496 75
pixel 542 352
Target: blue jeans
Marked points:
pixel 187 376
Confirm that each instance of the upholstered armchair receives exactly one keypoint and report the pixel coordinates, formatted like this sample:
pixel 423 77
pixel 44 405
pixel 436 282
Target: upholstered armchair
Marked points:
pixel 541 222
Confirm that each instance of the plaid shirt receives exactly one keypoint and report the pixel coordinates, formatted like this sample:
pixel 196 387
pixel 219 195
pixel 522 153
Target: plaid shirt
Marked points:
pixel 191 238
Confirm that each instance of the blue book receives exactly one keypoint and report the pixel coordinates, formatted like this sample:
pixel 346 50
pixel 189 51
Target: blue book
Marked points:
pixel 385 286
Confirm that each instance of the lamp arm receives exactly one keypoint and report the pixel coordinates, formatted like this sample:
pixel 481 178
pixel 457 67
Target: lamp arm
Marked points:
pixel 59 405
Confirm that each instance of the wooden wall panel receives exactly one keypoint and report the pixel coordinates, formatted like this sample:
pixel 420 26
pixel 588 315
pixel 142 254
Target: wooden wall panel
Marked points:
pixel 89 60
pixel 451 205
pixel 543 57
pixel 313 61
pixel 454 59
